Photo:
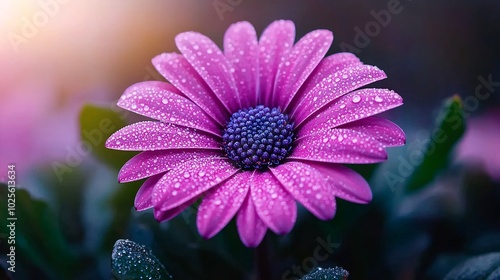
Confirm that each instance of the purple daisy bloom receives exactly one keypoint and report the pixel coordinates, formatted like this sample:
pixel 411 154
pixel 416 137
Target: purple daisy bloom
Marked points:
pixel 254 128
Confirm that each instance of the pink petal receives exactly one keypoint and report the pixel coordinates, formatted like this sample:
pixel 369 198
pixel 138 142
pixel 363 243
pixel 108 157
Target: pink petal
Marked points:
pixel 177 70
pixel 209 61
pixel 221 204
pixel 327 66
pixel 385 131
pixel 250 227
pixel 333 87
pixel 298 65
pixel 189 180
pixel 308 186
pixel 339 146
pixel 165 215
pixel 150 163
pixel 274 44
pixel 345 183
pixel 152 136
pixel 352 107
pixel 162 101
pixel 242 51
pixel 275 206
pixel 143 197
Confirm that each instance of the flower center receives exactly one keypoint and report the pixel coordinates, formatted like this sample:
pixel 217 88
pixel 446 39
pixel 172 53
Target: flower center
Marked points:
pixel 258 137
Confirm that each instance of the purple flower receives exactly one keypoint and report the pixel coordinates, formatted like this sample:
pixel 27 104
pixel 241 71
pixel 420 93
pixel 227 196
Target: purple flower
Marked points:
pixel 254 128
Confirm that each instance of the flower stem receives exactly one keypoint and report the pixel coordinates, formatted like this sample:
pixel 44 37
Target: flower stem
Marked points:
pixel 262 264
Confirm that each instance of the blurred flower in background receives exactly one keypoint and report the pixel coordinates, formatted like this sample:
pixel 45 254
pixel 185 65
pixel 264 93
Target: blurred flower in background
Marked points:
pixel 58 55
pixel 480 146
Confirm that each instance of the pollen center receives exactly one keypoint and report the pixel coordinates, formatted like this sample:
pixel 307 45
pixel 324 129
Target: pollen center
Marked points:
pixel 258 137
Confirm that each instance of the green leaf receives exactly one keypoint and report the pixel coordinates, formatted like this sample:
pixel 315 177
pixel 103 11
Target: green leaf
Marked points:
pixel 485 267
pixel 336 273
pixel 96 125
pixel 38 236
pixel 130 260
pixel 450 128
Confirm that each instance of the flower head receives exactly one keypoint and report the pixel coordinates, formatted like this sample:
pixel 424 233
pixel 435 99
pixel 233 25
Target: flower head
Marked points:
pixel 254 128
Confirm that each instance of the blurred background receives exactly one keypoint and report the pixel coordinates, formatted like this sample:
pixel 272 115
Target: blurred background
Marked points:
pixel 56 56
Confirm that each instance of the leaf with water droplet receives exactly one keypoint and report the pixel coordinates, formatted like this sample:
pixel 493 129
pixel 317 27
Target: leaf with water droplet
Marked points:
pixel 448 131
pixel 485 266
pixel 336 273
pixel 130 260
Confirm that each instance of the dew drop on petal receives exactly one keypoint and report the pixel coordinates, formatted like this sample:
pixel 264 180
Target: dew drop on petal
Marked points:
pixel 356 99
pixel 164 101
pixel 201 173
pixel 378 99
pixel 186 175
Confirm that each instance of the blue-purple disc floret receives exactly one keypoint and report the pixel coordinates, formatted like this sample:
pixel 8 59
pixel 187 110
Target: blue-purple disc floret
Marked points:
pixel 255 138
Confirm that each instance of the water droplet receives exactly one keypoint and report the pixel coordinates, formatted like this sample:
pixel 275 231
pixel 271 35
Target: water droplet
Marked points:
pixel 174 193
pixel 134 106
pixel 378 99
pixel 164 101
pixel 146 108
pixel 201 173
pixel 186 175
pixel 356 99
pixel 177 185
pixel 355 140
pixel 274 195
pixel 319 196
pixel 325 140
pixel 340 138
pixel 342 106
pixel 217 202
